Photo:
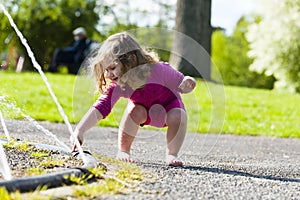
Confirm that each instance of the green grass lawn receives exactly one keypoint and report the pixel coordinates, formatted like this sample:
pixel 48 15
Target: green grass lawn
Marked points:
pixel 211 107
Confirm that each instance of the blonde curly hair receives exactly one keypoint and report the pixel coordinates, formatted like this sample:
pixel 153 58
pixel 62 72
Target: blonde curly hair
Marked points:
pixel 122 47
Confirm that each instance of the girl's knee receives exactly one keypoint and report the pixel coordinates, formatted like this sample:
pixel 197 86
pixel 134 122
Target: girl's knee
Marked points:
pixel 138 114
pixel 176 116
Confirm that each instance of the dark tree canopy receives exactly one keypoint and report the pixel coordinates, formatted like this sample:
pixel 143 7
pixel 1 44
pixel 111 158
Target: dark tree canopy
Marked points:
pixel 47 24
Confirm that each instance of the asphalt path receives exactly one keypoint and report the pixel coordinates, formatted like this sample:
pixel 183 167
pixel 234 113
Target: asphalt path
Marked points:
pixel 216 166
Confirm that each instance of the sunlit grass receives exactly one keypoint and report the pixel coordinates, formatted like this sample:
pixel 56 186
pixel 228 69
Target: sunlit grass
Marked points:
pixel 211 108
pixel 262 112
pixel 119 178
pixel 19 146
pixel 39 154
pixel 35 171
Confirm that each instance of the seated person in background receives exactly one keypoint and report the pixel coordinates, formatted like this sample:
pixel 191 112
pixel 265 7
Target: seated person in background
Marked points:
pixel 73 55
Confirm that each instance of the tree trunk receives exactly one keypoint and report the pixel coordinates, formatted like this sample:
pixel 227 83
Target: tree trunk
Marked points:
pixel 192 39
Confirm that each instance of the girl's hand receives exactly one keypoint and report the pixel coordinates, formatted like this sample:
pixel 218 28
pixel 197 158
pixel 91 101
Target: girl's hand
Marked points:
pixel 187 85
pixel 89 120
pixel 79 138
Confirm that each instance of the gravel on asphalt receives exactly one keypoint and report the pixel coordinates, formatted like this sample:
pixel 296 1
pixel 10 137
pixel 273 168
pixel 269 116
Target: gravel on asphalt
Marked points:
pixel 216 166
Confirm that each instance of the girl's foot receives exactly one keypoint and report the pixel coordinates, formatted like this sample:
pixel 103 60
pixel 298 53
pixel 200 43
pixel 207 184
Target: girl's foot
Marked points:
pixel 173 161
pixel 124 156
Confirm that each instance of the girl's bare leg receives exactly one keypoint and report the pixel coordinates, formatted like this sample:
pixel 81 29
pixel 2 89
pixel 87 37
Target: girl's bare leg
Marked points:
pixel 177 124
pixel 132 118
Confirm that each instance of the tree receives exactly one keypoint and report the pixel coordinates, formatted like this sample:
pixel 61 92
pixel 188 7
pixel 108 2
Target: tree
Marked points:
pixel 193 27
pixel 274 43
pixel 48 24
pixel 229 54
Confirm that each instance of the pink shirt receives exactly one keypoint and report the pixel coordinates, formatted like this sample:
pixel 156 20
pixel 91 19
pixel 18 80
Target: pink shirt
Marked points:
pixel 161 88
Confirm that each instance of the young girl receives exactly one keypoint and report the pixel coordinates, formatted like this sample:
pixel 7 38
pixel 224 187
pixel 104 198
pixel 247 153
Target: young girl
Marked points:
pixel 124 69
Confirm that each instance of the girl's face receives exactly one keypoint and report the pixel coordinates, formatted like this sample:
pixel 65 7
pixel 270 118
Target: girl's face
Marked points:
pixel 112 69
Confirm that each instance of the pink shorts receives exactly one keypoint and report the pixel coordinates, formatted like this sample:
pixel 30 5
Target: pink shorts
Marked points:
pixel 157 114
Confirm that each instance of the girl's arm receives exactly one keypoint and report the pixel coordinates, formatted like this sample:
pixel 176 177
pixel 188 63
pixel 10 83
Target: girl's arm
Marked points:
pixel 187 84
pixel 90 119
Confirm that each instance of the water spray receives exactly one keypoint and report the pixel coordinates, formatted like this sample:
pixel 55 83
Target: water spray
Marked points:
pixel 12 105
pixel 4 167
pixel 4 127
